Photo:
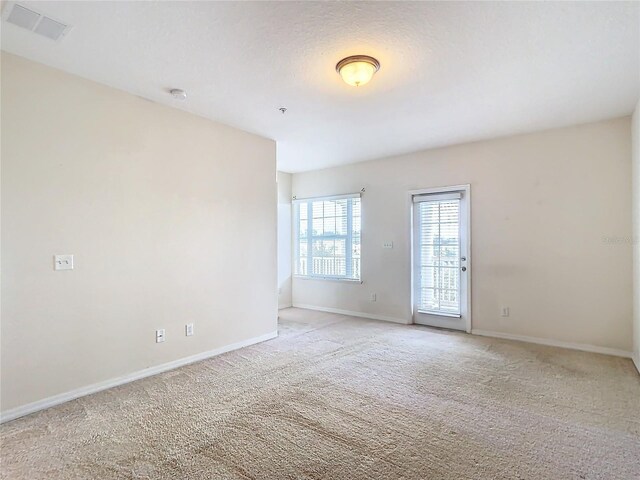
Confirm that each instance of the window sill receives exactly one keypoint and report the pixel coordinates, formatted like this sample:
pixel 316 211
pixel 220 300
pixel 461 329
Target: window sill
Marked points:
pixel 329 279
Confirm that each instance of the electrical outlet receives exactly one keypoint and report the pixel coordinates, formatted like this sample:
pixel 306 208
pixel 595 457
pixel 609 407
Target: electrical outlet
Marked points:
pixel 374 297
pixel 188 329
pixel 504 312
pixel 160 335
pixel 63 262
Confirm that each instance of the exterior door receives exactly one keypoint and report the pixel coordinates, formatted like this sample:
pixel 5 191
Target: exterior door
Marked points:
pixel 441 296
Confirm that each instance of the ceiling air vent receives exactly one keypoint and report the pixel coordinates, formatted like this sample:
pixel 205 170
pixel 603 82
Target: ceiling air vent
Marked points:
pixel 23 17
pixel 36 22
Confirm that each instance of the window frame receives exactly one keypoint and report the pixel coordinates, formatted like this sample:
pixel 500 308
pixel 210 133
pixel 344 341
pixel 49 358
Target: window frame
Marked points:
pixel 348 238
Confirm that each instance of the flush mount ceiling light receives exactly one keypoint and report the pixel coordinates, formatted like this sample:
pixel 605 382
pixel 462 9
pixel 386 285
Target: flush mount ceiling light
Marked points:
pixel 357 69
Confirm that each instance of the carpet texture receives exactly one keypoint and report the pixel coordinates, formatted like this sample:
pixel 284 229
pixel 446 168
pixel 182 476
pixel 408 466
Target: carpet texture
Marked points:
pixel 336 397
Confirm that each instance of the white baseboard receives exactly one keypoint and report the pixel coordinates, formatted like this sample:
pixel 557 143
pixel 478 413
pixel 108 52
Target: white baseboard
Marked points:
pixel 636 360
pixel 507 336
pixel 554 343
pixel 353 314
pixel 285 305
pixel 23 410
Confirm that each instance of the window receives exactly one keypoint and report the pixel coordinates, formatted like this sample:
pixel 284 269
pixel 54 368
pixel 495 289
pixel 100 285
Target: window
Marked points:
pixel 327 237
pixel 438 235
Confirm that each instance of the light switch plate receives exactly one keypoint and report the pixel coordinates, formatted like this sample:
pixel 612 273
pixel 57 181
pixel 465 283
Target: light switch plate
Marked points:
pixel 63 262
pixel 188 329
pixel 160 335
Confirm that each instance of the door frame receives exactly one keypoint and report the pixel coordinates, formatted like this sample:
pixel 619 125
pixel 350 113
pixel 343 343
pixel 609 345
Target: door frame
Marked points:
pixel 466 189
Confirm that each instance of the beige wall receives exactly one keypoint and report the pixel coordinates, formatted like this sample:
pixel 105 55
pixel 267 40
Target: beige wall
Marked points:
pixel 550 219
pixel 166 225
pixel 284 240
pixel 636 234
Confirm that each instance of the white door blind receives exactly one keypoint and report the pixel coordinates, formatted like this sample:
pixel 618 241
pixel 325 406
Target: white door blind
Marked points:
pixel 327 237
pixel 439 254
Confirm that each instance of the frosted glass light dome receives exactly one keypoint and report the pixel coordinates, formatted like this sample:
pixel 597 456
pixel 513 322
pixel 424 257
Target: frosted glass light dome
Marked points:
pixel 357 70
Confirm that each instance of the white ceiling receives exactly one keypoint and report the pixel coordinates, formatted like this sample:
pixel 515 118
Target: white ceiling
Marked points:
pixel 451 72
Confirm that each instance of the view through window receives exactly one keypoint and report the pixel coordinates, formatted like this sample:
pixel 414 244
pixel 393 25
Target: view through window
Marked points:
pixel 328 237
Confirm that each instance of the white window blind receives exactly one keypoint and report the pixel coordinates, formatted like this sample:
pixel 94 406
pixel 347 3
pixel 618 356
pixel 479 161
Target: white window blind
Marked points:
pixel 439 253
pixel 327 237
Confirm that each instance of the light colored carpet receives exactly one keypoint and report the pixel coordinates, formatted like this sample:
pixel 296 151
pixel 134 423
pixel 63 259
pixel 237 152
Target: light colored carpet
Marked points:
pixel 336 397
